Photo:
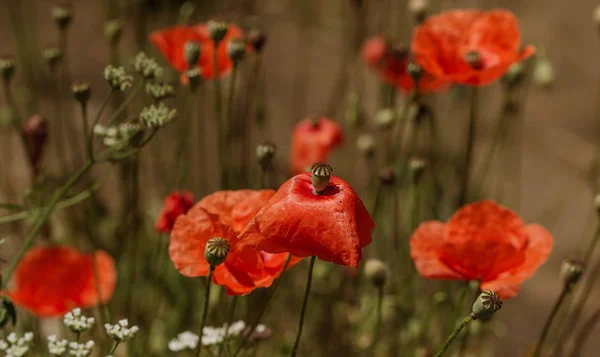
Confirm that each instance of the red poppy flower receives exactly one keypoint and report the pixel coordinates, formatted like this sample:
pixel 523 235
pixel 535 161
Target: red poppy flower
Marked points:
pixel 391 65
pixel 482 241
pixel 50 281
pixel 312 141
pixel 220 215
pixel 171 42
pixel 333 225
pixel 443 43
pixel 175 204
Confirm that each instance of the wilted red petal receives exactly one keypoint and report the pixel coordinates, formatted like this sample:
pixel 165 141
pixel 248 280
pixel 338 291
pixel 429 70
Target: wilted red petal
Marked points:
pixel 222 203
pixel 312 141
pixel 426 246
pixel 50 281
pixel 174 205
pixel 333 226
pixel 245 210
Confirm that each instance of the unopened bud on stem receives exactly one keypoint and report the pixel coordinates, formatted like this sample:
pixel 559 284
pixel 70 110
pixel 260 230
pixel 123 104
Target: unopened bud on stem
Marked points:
pixel 377 272
pixel 571 271
pixel 63 16
pixel 7 68
pixel 81 91
pixel 191 52
pixel 264 154
pixel 236 48
pixel 113 29
pixel 217 30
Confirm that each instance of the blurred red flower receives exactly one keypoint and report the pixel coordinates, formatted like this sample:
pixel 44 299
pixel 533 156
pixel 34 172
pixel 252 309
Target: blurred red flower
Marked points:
pixel 175 204
pixel 333 225
pixel 312 141
pixel 482 241
pixel 391 65
pixel 171 42
pixel 443 43
pixel 50 281
pixel 221 214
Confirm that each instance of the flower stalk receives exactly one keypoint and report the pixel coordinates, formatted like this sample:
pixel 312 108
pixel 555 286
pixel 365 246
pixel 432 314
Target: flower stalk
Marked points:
pixel 454 334
pixel 304 305
pixel 542 340
pixel 471 131
pixel 205 308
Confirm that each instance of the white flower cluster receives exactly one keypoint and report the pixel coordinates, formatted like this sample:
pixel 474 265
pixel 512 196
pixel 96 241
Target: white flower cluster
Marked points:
pixel 15 346
pixel 121 331
pixel 185 340
pixel 57 347
pixel 159 91
pixel 155 117
pixel 216 335
pixel 146 66
pixel 77 322
pixel 117 137
pixel 117 78
pixel 81 349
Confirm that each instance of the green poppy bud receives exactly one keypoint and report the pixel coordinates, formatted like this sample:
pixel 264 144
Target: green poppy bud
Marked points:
pixel 81 91
pixel 265 153
pixel 571 271
pixel 377 272
pixel 217 30
pixel 191 53
pixel 236 49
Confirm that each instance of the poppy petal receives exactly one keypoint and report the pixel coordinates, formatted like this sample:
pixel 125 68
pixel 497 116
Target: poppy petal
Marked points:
pixel 243 212
pixel 171 42
pixel 426 246
pixel 222 203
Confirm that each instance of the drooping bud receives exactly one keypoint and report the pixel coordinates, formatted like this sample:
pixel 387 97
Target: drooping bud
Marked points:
pixel 217 30
pixel 264 154
pixel 486 305
pixel 7 68
pixel 256 38
pixel 366 144
pixel 385 118
pixel 191 53
pixel 8 313
pixel 418 8
pixel 52 56
pixel 216 251
pixel 416 167
pixel 193 75
pixel 474 59
pixel 81 91
pixel 377 272
pixel 321 174
pixel 387 176
pixel 236 48
pixel 147 66
pixel 62 15
pixel 571 271
pixel 36 134
pixel 113 29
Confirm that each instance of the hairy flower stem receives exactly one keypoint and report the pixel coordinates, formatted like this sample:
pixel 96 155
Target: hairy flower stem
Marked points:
pixel 454 334
pixel 377 327
pixel 114 347
pixel 561 298
pixel 472 129
pixel 42 220
pixel 229 321
pixel 221 134
pixel 262 312
pixel 304 304
pixel 205 309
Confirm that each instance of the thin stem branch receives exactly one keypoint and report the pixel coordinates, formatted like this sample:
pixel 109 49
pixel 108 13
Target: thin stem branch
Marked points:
pixel 377 332
pixel 229 321
pixel 454 334
pixel 304 305
pixel 126 102
pixel 540 345
pixel 472 129
pixel 221 134
pixel 205 309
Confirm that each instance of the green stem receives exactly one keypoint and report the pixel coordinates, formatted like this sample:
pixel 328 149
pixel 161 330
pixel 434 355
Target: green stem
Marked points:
pixel 205 309
pixel 592 246
pixel 221 134
pixel 114 347
pixel 229 321
pixel 126 102
pixel 454 334
pixel 470 144
pixel 377 332
pixel 184 135
pixel 86 131
pixel 40 223
pixel 561 298
pixel 304 304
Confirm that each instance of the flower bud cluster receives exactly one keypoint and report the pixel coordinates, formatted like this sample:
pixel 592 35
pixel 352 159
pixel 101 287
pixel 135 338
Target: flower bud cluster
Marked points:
pixel 56 347
pixel 157 116
pixel 117 78
pixel 81 349
pixel 121 331
pixel 16 346
pixel 159 91
pixel 147 66
pixel 76 322
pixel 118 137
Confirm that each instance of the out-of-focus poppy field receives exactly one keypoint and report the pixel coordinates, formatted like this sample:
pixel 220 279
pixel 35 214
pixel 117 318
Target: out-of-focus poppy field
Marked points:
pixel 245 178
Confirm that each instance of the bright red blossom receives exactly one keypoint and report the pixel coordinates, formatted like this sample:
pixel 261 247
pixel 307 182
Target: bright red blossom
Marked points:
pixel 171 42
pixel 442 42
pixel 312 141
pixel 391 65
pixel 482 241
pixel 333 225
pixel 175 204
pixel 50 281
pixel 221 214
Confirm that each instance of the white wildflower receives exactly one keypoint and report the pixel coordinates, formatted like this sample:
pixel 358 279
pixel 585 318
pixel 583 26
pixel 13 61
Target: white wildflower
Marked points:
pixel 81 349
pixel 147 66
pixel 236 328
pixel 57 347
pixel 77 322
pixel 16 346
pixel 121 331
pixel 157 116
pixel 185 340
pixel 117 78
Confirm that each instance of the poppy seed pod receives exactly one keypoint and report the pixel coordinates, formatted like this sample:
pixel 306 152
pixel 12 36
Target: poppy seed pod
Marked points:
pixel 63 16
pixel 256 38
pixel 52 55
pixel 7 68
pixel 321 174
pixel 81 91
pixel 191 53
pixel 474 59
pixel 418 8
pixel 236 48
pixel 217 30
pixel 377 272
pixel 113 29
pixel 415 71
pixel 571 271
pixel 265 153
pixel 216 251
pixel 486 305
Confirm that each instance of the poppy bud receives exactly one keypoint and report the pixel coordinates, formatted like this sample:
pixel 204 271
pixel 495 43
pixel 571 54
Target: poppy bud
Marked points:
pixel 416 167
pixel 217 30
pixel 321 173
pixel 486 305
pixel 236 48
pixel 415 72
pixel 191 53
pixel 113 29
pixel 366 144
pixel 62 15
pixel 52 55
pixel 418 8
pixel 265 153
pixel 216 251
pixel 473 58
pixel 543 72
pixel 377 272
pixel 387 176
pixel 8 313
pixel 36 133
pixel 571 271
pixel 256 38
pixel 193 75
pixel 385 118
pixel 81 91
pixel 7 68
